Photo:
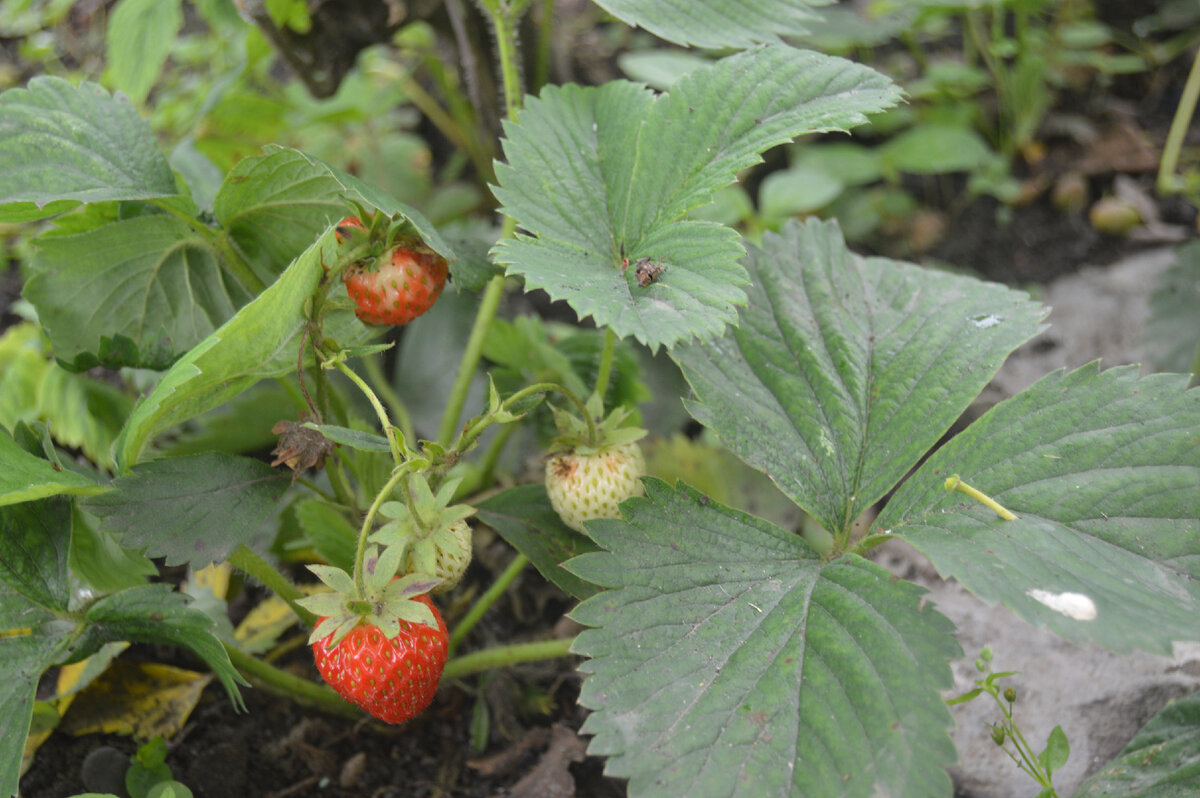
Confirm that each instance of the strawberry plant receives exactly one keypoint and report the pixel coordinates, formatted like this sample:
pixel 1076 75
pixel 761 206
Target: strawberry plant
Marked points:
pixel 724 654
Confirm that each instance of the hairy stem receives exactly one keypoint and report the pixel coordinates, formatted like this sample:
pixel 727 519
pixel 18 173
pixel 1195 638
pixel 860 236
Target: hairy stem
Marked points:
pixel 486 601
pixel 280 682
pixel 503 656
pixel 953 483
pixel 250 563
pixel 470 359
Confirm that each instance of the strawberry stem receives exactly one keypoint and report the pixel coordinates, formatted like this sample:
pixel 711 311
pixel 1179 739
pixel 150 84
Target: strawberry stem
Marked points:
pixel 360 553
pixel 953 483
pixel 486 601
pixel 504 656
pixel 474 351
pixel 267 677
pixel 606 361
pixel 389 429
pixel 468 435
pixel 256 567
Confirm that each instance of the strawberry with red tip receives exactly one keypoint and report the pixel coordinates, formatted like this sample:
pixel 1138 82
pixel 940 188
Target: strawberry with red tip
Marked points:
pixel 397 284
pixel 381 644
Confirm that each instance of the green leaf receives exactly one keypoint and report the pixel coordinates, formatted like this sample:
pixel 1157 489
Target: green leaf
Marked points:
pixel 1102 471
pixel 275 205
pixel 1056 752
pixel 1161 761
pixel 98 560
pixel 717 23
pixel 260 341
pixel 355 439
pixel 24 477
pixel 157 614
pixel 934 149
pixel 139 38
pixel 138 292
pixel 193 509
pixel 59 142
pixel 524 518
pixel 1173 331
pixel 658 69
pixel 29 644
pixel 731 660
pixel 798 190
pixel 329 531
pixel 844 371
pixel 594 173
pixel 35 540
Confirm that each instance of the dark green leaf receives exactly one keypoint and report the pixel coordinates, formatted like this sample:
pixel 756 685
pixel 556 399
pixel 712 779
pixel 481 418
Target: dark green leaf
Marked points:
pixel 140 35
pixel 276 205
pixel 717 23
pixel 157 614
pixel 355 439
pixel 35 540
pixel 59 142
pixel 729 659
pixel 29 644
pixel 138 292
pixel 330 532
pixel 1162 761
pixel 844 371
pixel 523 517
pixel 260 341
pixel 193 509
pixel 597 173
pixel 98 560
pixel 1103 473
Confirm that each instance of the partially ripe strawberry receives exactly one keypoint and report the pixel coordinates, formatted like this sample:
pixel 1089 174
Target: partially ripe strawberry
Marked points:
pixel 396 287
pixel 444 555
pixel 392 679
pixel 586 486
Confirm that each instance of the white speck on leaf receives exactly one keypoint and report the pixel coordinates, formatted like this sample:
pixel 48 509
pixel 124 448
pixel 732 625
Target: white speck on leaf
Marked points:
pixel 1073 605
pixel 983 321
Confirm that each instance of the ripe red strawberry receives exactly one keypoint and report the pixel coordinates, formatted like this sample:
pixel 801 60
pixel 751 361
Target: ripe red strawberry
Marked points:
pixel 394 680
pixel 586 485
pixel 396 287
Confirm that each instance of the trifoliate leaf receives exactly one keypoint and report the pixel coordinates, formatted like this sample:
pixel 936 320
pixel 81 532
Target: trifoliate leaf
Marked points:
pixel 730 659
pixel 600 175
pixel 1102 470
pixel 844 371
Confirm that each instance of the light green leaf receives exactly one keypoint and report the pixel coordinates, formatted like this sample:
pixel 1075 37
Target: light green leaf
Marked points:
pixel 524 518
pixel 259 342
pixel 730 660
pixel 59 142
pixel 1056 752
pixel 1173 331
pixel 157 614
pixel 933 149
pixel 717 23
pixel 599 172
pixel 25 477
pixel 101 562
pixel 193 509
pixel 844 371
pixel 658 69
pixel 1103 473
pixel 139 38
pixel 798 190
pixel 1162 761
pixel 138 292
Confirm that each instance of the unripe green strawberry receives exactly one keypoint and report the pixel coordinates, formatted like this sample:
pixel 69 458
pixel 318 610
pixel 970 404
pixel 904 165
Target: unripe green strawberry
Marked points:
pixel 586 486
pixel 395 678
pixel 433 529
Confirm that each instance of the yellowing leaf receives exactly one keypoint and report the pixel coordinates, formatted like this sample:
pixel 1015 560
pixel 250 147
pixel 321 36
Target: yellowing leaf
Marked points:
pixel 145 700
pixel 215 577
pixel 263 625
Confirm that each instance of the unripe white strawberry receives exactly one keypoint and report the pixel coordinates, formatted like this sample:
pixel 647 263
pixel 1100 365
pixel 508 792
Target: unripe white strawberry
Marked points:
pixel 445 555
pixel 586 486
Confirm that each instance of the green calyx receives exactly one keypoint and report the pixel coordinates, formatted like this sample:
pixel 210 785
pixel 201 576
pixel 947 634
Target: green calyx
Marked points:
pixel 385 602
pixel 433 532
pixel 603 433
